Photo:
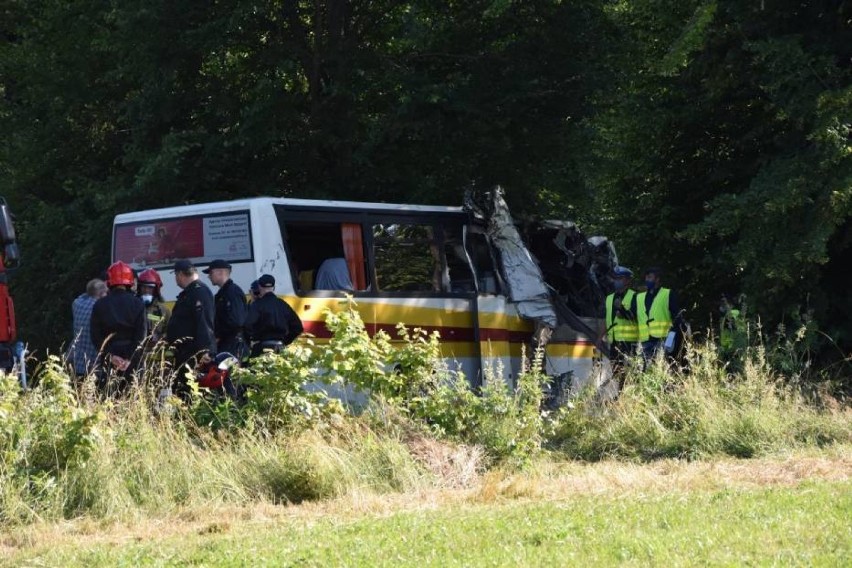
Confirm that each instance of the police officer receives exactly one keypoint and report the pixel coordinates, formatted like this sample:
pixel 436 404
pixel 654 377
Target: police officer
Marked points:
pixel 254 290
pixel 148 288
pixel 190 329
pixel 271 322
pixel 230 310
pixel 656 313
pixel 118 329
pixel 622 330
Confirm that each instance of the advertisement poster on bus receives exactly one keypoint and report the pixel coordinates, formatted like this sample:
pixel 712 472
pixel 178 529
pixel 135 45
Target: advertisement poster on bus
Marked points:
pixel 201 239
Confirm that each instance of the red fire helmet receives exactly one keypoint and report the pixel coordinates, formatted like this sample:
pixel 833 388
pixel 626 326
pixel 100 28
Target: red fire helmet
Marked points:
pixel 150 277
pixel 119 274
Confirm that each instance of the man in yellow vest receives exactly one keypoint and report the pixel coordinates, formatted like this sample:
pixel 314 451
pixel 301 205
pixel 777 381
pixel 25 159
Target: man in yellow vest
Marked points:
pixel 729 324
pixel 656 314
pixel 621 328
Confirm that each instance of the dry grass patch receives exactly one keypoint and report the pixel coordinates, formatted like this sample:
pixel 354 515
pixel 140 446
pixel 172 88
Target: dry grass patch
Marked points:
pixel 453 465
pixel 548 481
pixel 555 481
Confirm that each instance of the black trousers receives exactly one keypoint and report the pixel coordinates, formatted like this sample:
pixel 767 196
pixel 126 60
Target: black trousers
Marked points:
pixel 274 345
pixel 236 346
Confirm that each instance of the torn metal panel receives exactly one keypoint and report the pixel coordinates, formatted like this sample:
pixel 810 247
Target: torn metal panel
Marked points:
pixel 576 267
pixel 521 274
pixel 551 270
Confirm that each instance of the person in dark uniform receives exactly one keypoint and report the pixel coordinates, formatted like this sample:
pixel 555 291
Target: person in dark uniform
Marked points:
pixel 254 290
pixel 118 329
pixel 230 310
pixel 271 323
pixel 190 329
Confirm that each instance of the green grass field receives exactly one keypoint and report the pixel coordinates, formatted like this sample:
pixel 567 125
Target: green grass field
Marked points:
pixel 769 512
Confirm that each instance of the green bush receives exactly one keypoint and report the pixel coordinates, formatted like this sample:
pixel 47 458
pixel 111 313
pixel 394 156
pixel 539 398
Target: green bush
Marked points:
pixel 278 396
pixel 699 410
pixel 413 378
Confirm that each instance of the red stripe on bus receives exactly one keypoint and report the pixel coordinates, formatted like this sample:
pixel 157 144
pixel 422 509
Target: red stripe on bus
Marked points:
pixel 318 329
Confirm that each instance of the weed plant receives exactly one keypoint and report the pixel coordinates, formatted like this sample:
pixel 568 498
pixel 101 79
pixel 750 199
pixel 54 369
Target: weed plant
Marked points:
pixel 699 409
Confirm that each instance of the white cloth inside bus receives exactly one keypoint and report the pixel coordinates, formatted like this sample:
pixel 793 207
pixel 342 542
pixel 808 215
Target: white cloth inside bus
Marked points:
pixel 333 274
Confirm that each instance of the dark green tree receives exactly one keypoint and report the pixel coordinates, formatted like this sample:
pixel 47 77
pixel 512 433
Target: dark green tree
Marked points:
pixel 723 152
pixel 115 106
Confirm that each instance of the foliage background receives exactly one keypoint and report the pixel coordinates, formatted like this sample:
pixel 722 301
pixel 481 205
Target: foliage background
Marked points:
pixel 712 137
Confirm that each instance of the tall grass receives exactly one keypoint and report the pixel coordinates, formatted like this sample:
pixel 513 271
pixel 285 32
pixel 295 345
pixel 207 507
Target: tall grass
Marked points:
pixel 138 462
pixel 65 452
pixel 700 409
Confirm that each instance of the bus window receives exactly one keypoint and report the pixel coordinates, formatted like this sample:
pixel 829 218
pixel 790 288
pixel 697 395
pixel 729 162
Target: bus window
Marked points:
pixel 483 262
pixel 408 258
pixel 458 272
pixel 326 255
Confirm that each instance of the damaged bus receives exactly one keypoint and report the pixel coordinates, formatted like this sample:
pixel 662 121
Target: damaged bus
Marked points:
pixel 488 286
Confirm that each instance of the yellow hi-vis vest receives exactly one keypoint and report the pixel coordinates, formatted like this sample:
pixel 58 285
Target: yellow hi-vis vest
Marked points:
pixel 619 328
pixel 729 324
pixel 657 322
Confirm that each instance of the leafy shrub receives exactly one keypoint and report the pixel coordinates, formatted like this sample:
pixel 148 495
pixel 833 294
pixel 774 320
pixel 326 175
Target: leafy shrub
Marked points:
pixel 47 429
pixel 414 378
pixel 279 393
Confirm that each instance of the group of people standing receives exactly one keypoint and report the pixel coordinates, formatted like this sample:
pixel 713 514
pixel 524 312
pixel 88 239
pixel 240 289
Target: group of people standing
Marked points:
pixel 641 322
pixel 117 321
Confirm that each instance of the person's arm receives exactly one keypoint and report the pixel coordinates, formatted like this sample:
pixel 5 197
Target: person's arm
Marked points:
pixel 205 340
pixel 163 324
pixel 294 324
pixel 97 332
pixel 674 309
pixel 631 310
pixel 251 321
pixel 140 326
pixel 626 311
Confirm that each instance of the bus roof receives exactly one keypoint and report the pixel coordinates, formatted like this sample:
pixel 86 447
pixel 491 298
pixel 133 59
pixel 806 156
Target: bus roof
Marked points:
pixel 238 204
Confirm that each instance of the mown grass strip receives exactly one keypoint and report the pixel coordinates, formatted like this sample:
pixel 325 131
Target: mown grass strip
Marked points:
pixel 806 524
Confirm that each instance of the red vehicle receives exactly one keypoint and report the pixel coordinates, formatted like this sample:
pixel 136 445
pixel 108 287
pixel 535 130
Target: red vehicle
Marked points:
pixel 12 352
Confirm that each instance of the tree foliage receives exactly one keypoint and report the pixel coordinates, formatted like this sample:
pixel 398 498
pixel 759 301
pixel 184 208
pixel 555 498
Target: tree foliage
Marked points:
pixel 708 136
pixel 724 150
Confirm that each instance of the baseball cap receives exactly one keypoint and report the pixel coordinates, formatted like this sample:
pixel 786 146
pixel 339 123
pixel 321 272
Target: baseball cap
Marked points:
pixel 183 265
pixel 622 272
pixel 218 263
pixel 266 281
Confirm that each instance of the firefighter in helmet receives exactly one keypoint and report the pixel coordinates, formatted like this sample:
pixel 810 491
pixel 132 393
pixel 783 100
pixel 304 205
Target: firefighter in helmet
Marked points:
pixel 118 329
pixel 149 289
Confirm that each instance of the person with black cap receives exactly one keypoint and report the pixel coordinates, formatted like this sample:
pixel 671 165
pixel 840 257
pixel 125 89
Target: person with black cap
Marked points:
pixel 231 307
pixel 190 329
pixel 271 323
pixel 657 314
pixel 254 290
pixel 621 328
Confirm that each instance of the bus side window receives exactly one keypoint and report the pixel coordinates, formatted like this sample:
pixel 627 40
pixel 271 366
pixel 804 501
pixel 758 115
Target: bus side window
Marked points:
pixel 407 258
pixel 458 272
pixel 483 262
pixel 332 246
